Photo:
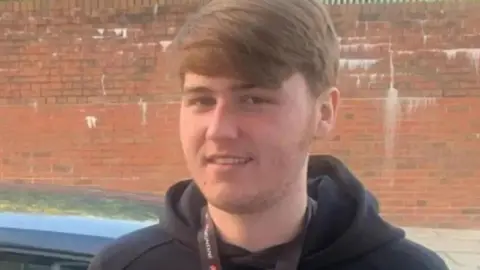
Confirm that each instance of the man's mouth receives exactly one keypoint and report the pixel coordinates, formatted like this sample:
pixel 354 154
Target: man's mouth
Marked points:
pixel 228 160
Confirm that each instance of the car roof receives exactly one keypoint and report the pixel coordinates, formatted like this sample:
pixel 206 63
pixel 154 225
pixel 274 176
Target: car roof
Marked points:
pixel 71 220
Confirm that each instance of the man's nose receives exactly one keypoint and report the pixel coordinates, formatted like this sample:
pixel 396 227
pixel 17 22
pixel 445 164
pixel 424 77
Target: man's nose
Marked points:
pixel 222 124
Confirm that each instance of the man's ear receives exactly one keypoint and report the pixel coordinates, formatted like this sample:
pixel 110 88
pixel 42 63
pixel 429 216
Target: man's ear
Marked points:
pixel 327 107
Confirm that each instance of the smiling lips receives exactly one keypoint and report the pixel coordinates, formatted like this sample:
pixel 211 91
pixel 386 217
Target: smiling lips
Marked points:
pixel 227 160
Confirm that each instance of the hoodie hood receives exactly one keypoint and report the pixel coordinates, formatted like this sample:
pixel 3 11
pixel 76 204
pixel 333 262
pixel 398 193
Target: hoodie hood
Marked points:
pixel 345 225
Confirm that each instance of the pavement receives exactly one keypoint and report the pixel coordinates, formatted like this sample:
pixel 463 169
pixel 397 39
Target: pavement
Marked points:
pixel 459 248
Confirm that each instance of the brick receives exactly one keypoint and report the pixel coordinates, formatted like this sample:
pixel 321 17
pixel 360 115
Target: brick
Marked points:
pixel 429 178
pixel 471 211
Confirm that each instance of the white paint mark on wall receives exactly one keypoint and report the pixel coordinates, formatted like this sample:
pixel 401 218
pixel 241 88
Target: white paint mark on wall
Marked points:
pixel 350 47
pixel 358 81
pixel 451 54
pixel 415 103
pixel 392 109
pixel 357 23
pixel 165 44
pixel 362 38
pixel 405 52
pixel 155 9
pixel 100 32
pixel 91 121
pixel 35 105
pixel 150 44
pixel 121 32
pixel 356 38
pixel 392 67
pixel 102 81
pixel 425 39
pixel 372 78
pixel 368 46
pixel 171 30
pixel 356 47
pixel 353 64
pixel 391 115
pixel 143 109
pixel 472 53
pixel 424 35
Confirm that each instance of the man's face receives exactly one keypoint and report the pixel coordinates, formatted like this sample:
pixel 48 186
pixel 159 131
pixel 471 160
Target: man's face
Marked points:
pixel 246 146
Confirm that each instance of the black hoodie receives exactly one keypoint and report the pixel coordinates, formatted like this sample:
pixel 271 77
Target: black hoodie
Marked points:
pixel 345 233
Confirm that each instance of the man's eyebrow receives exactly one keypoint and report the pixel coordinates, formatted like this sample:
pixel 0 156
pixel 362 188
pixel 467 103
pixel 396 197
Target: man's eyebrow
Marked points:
pixel 242 87
pixel 196 90
pixel 206 90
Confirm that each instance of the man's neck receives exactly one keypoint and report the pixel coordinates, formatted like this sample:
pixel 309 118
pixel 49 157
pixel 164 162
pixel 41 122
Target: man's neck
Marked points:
pixel 255 232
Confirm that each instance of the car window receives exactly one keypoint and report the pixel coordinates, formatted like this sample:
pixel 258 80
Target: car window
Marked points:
pixel 16 261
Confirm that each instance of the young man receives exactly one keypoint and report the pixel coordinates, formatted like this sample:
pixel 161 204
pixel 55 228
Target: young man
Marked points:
pixel 258 80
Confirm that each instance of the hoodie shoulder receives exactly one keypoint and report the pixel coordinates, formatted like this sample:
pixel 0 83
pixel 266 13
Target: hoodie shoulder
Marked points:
pixel 406 254
pixel 128 248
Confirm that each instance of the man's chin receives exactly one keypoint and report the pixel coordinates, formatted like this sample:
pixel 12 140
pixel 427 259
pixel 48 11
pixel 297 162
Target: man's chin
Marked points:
pixel 234 208
pixel 235 201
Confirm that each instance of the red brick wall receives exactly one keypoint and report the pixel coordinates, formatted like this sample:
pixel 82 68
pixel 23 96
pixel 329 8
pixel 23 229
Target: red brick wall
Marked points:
pixel 65 67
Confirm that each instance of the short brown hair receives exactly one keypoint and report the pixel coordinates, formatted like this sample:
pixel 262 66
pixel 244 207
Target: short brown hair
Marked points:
pixel 261 41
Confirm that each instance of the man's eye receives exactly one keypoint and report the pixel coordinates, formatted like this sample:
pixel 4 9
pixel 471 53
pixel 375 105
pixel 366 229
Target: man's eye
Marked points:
pixel 201 101
pixel 253 100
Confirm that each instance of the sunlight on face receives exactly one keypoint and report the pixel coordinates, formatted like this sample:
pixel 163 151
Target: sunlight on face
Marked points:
pixel 245 145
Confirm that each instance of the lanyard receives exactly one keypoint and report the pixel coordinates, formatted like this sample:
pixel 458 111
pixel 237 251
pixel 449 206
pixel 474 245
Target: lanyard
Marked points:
pixel 211 257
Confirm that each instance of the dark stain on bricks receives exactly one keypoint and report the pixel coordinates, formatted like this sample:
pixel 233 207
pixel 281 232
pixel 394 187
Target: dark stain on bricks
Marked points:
pixel 444 180
pixel 422 203
pixel 369 174
pixel 471 211
pixel 42 154
pixel 406 165
pixel 349 116
pixel 61 168
pixel 336 138
pixel 83 182
pixel 438 145
pixel 416 15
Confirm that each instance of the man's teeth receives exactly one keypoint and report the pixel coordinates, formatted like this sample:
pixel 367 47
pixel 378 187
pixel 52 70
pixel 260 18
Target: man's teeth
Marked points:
pixel 229 161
